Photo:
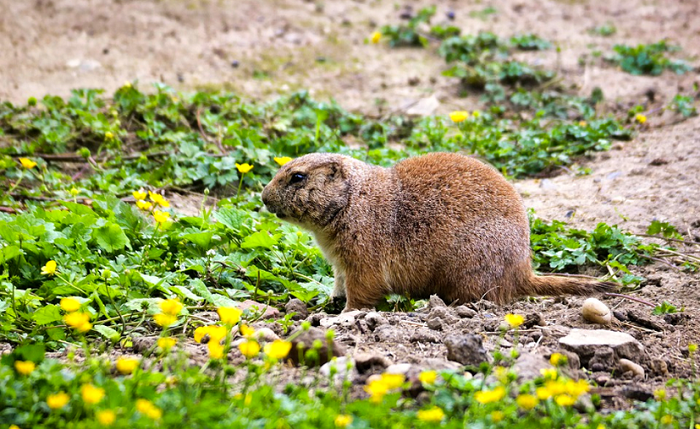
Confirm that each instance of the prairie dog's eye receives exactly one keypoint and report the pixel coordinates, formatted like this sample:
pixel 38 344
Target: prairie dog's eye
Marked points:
pixel 296 178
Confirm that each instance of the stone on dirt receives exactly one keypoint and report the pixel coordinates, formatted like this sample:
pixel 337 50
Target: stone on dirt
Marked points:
pixel 257 308
pixel 465 312
pixel 466 349
pixel 374 319
pixel 297 306
pixel 628 365
pixel 304 351
pixel 585 342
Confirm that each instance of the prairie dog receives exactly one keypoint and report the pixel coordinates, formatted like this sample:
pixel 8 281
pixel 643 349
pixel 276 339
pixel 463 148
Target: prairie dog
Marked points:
pixel 440 223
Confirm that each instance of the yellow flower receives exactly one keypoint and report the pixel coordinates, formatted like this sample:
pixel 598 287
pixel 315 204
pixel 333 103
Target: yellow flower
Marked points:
pixel 78 321
pixel 582 123
pixel 692 348
pixel 127 84
pixel 497 416
pixel 49 269
pixel 376 389
pixel 249 348
pixel 57 400
pixel 139 195
pixel 667 419
pixel 393 381
pixel 576 388
pixel 476 113
pixel 27 163
pixel 247 331
pixel 342 420
pixel 146 407
pixel 158 199
pixel 127 365
pixel 278 349
pixel 640 118
pixel 514 320
pixel 281 160
pixel 376 37
pixel 74 191
pixel 229 315
pixel 144 205
pixel 526 402
pixel 549 373
pixel 216 350
pixel 164 320
pixel 488 396
pixel 427 377
pixel 660 394
pixel 106 417
pixel 543 393
pixel 172 307
pixel 459 116
pixel 565 400
pixel 557 359
pixel 109 135
pixel 166 343
pixel 431 415
pixel 24 367
pixel 70 304
pixel 243 168
pixel 215 333
pixel 92 394
pixel 160 216
pixel 13 427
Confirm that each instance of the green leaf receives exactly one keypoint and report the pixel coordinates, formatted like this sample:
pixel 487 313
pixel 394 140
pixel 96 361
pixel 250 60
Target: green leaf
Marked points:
pixel 111 237
pixel 260 239
pixel 107 332
pixel 201 239
pixel 47 314
pixel 9 252
pixel 232 217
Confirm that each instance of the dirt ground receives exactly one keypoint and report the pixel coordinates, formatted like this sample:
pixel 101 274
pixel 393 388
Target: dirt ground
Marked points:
pixel 262 48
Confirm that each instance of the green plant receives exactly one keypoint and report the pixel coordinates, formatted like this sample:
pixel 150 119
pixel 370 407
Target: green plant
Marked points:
pixel 604 30
pixel 648 59
pixel 664 308
pixel 409 34
pixel 684 105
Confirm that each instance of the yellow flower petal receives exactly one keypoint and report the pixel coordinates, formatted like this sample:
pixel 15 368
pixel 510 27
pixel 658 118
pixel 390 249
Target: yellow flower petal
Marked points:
pixel 92 394
pixel 229 315
pixel 281 160
pixel 126 366
pixel 106 417
pixel 57 400
pixel 459 116
pixel 342 420
pixel 278 349
pixel 25 367
pixel 27 163
pixel 49 269
pixel 376 37
pixel 164 319
pixel 432 415
pixel 70 304
pixel 243 168
pixel 160 216
pixel 514 320
pixel 171 306
pixel 249 348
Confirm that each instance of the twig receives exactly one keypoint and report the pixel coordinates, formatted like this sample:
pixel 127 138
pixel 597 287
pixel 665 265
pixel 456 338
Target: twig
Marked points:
pixel 639 300
pixel 7 210
pixel 669 239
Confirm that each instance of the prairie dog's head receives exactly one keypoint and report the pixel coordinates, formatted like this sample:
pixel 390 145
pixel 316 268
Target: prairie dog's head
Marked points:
pixel 309 191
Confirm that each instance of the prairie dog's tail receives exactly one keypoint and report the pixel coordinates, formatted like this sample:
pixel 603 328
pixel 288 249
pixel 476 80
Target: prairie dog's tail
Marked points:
pixel 561 285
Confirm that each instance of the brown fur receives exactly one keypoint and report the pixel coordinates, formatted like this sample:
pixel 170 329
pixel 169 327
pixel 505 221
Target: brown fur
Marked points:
pixel 441 223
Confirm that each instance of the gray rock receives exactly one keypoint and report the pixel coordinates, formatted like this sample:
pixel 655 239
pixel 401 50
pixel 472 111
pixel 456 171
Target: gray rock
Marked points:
pixel 466 349
pixel 585 342
pixel 342 368
pixel 259 309
pixel 603 360
pixel 374 319
pixel 465 312
pixel 528 366
pixel 435 301
pixel 435 323
pixel 315 319
pixel 385 333
pixel 368 363
pixel 423 335
pixel 304 351
pixel 440 364
pixel 297 306
pixel 398 368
